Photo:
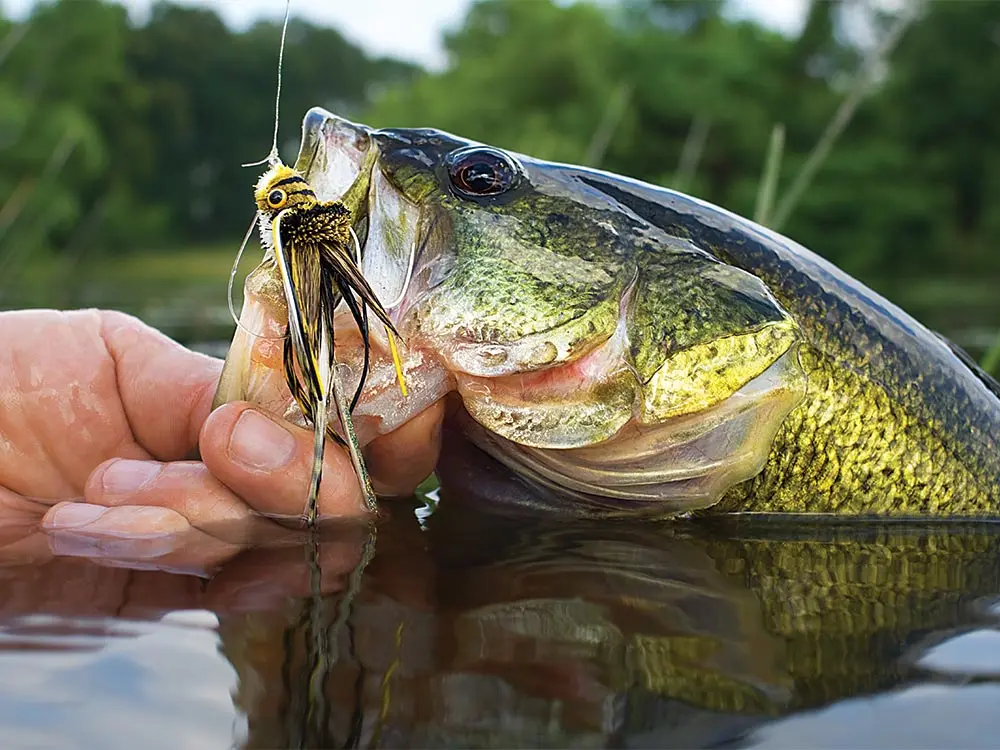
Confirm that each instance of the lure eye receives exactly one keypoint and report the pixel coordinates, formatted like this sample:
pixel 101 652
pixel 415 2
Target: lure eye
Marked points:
pixel 276 198
pixel 479 172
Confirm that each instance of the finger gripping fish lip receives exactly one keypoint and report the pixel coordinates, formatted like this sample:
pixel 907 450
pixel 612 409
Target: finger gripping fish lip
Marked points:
pixel 309 248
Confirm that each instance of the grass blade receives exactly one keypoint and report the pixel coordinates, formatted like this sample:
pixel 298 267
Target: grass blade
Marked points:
pixel 769 177
pixel 860 86
pixel 613 114
pixel 991 360
pixel 694 146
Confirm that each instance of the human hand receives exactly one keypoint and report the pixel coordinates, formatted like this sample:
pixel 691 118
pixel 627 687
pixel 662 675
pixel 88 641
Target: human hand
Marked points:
pixel 100 407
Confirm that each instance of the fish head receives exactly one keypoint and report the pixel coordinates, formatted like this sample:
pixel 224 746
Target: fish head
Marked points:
pixel 594 352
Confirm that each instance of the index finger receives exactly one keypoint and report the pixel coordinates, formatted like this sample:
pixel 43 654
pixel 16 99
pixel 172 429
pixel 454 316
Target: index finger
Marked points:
pixel 166 389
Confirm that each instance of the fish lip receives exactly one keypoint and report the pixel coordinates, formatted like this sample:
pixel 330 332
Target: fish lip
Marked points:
pixel 349 152
pixel 339 139
pixel 312 125
pixel 316 123
pixel 325 133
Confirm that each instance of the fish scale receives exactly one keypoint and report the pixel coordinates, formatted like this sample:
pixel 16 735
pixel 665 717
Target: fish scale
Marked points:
pixel 905 469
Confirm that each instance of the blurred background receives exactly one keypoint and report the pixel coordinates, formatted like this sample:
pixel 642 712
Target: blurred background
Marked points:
pixel 868 130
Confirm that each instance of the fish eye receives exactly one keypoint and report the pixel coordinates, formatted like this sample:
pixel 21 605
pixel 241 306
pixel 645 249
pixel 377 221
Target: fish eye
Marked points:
pixel 276 198
pixel 479 172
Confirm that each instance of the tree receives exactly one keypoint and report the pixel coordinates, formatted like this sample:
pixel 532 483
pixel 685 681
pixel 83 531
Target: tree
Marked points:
pixel 941 103
pixel 64 84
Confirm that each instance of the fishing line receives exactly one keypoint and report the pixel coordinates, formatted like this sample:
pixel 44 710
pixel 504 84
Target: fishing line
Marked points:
pixel 272 158
pixel 357 245
pixel 409 276
pixel 232 280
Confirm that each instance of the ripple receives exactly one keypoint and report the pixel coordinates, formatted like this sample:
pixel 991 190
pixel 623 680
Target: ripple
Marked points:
pixel 923 716
pixel 987 606
pixel 972 654
pixel 110 684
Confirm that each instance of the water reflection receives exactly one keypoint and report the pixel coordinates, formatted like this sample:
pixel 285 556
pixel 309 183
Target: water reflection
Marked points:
pixel 475 628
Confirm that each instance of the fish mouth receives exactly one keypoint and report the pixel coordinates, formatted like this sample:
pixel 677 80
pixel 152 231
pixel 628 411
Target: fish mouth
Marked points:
pixel 583 423
pixel 338 159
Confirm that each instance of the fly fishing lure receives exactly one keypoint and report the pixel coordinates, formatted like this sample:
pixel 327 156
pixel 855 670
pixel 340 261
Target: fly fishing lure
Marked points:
pixel 311 242
pixel 318 258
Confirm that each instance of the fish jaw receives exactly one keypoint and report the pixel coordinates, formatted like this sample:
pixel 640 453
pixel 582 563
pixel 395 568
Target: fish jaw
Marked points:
pixel 674 467
pixel 337 160
pixel 253 369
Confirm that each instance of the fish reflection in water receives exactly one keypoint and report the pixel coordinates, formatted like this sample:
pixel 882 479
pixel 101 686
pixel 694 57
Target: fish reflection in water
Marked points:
pixel 473 628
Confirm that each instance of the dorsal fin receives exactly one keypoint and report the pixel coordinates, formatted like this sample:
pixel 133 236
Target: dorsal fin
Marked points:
pixel 988 380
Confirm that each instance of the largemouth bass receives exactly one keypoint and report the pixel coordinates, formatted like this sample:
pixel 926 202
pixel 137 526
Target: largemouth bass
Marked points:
pixel 632 348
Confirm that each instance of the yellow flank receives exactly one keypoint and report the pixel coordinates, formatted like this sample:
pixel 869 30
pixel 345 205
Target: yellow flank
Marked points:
pixel 698 377
pixel 850 448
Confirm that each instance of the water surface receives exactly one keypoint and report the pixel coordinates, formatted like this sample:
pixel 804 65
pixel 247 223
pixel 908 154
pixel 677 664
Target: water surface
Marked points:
pixel 469 627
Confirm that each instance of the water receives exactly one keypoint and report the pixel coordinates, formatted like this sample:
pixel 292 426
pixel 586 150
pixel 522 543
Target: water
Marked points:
pixel 472 628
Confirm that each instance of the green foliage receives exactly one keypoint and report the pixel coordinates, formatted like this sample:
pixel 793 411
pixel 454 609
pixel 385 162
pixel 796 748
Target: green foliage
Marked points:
pixel 50 129
pixel 122 137
pixel 210 107
pixel 552 95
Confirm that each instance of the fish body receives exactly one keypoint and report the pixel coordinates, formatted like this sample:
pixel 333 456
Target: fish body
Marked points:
pixel 631 348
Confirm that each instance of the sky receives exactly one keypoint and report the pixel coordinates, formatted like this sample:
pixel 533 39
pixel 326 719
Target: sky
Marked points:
pixel 409 29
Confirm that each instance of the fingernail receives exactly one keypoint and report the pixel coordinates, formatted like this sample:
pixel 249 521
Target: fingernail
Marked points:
pixel 128 475
pixel 258 443
pixel 74 545
pixel 72 515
